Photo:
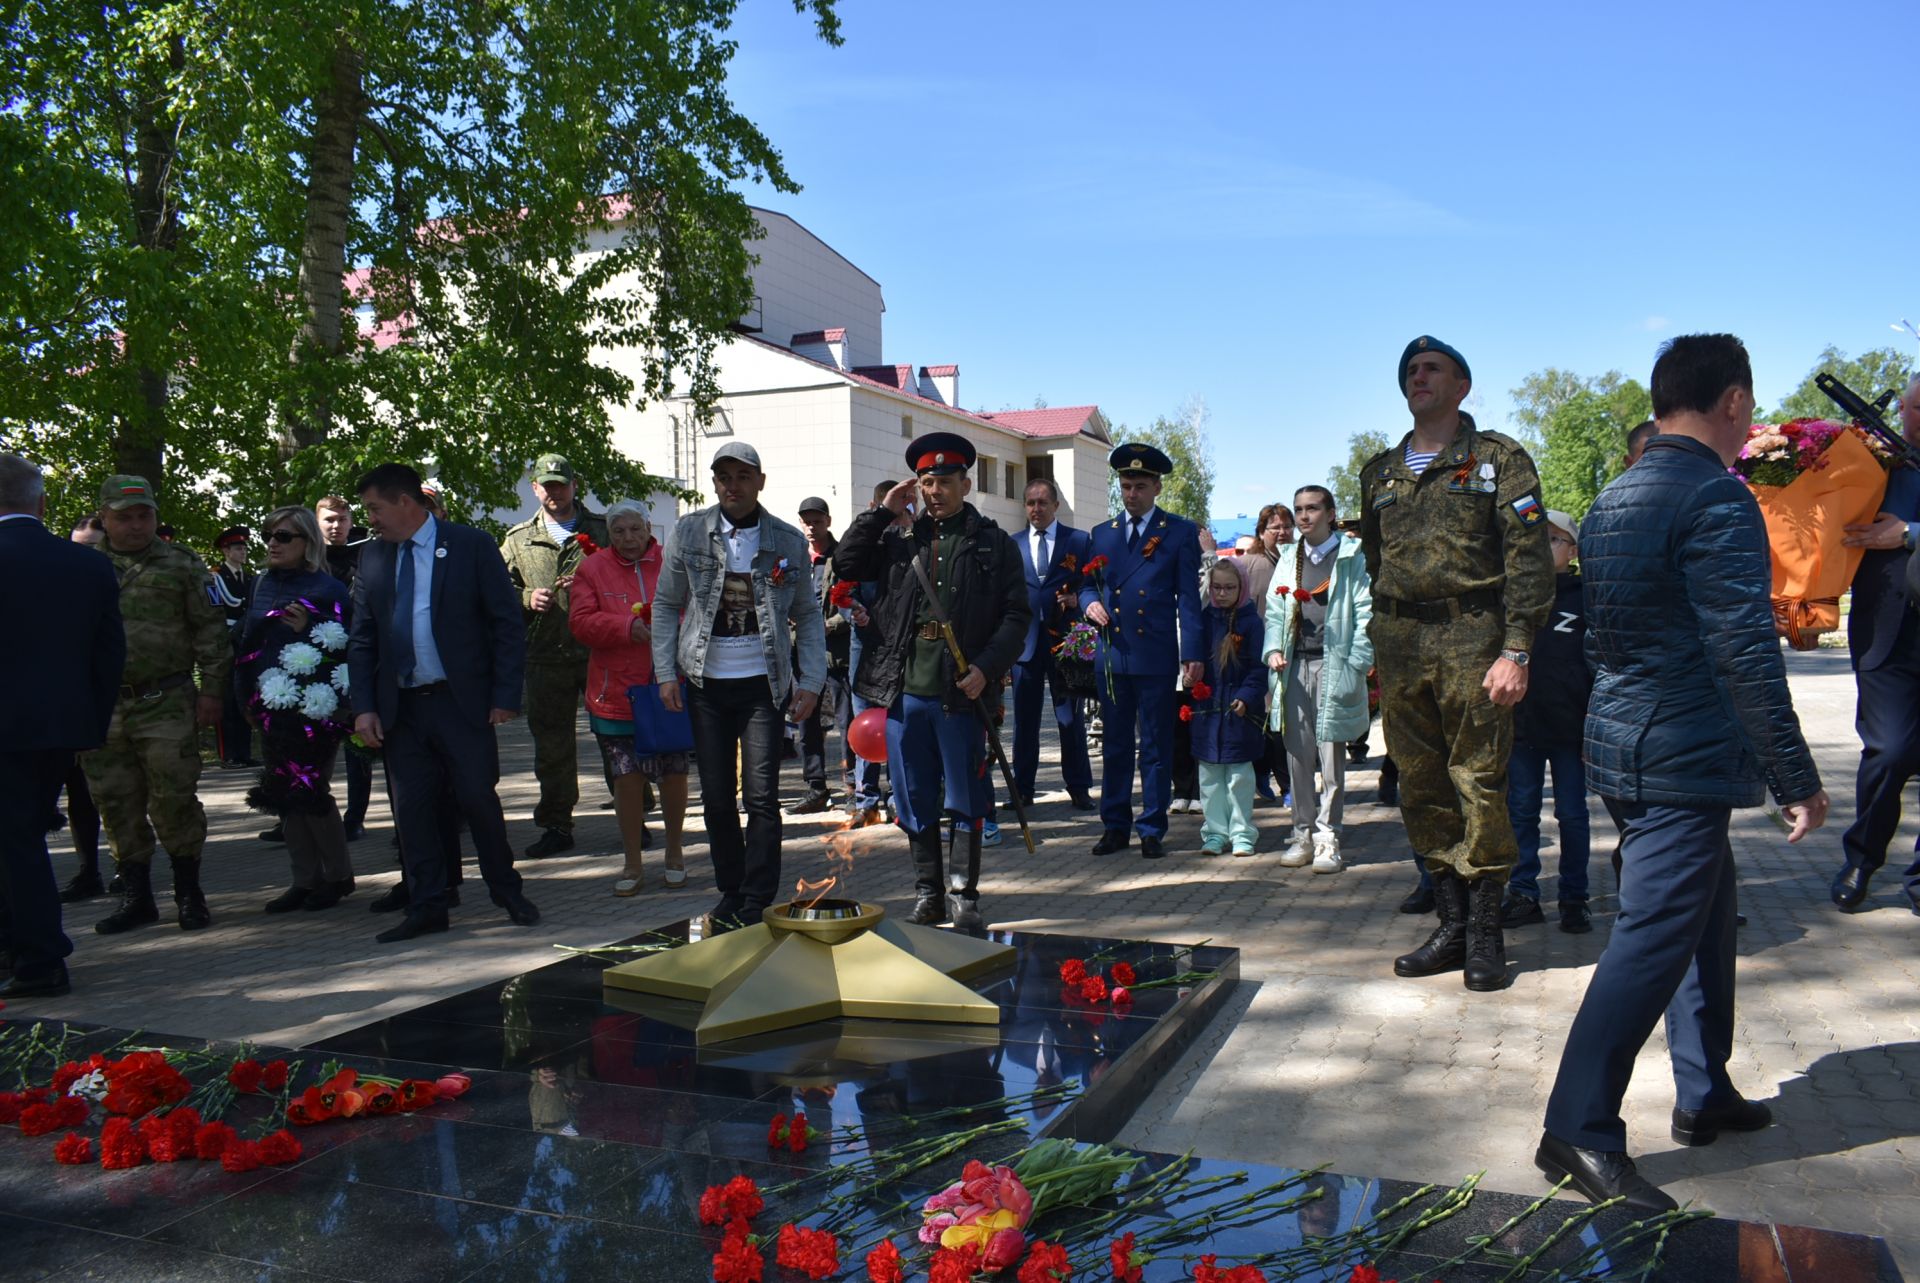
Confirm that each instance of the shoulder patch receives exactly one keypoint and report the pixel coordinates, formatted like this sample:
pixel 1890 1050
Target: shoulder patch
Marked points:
pixel 1528 511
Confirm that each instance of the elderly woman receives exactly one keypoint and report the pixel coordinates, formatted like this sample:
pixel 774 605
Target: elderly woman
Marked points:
pixel 288 604
pixel 612 615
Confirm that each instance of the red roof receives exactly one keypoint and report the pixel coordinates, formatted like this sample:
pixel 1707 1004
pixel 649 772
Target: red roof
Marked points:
pixel 898 377
pixel 358 286
pixel 933 371
pixel 1054 421
pixel 821 336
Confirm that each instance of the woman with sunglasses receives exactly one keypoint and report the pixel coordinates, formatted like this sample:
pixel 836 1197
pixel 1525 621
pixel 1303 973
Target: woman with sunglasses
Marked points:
pixel 294 594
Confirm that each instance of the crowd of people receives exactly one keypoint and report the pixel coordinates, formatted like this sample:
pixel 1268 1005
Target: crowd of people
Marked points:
pixel 1649 675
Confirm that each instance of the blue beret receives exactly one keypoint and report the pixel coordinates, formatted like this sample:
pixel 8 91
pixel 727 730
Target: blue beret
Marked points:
pixel 1428 343
pixel 1139 458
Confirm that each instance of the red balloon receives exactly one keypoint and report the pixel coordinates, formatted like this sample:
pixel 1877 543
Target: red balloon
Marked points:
pixel 867 735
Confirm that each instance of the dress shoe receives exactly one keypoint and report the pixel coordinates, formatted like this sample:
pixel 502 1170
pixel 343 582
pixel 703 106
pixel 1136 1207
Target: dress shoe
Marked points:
pixel 343 887
pixel 414 924
pixel 1419 900
pixel 84 885
pixel 287 901
pixel 1703 1126
pixel 51 985
pixel 321 897
pixel 1850 888
pixel 393 901
pixel 813 803
pixel 1151 848
pixel 520 910
pixel 278 833
pixel 1600 1174
pixel 354 832
pixel 1082 801
pixel 1575 919
pixel 550 843
pixel 1520 911
pixel 1112 840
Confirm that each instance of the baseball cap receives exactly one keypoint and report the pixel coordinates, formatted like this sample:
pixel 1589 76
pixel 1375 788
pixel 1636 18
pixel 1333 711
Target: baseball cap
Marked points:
pixel 121 491
pixel 814 504
pixel 738 450
pixel 552 467
pixel 1567 524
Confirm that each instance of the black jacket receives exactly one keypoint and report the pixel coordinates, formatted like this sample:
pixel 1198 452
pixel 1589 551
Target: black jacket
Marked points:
pixel 990 612
pixel 1558 683
pixel 1690 704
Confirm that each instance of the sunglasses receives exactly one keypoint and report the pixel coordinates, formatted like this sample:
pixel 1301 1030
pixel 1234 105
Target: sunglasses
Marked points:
pixel 284 536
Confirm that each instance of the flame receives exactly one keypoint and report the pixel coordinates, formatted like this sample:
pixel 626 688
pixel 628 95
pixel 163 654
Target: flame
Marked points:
pixel 818 890
pixel 840 848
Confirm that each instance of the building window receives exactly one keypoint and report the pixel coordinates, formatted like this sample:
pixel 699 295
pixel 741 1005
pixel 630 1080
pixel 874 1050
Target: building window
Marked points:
pixel 1040 466
pixel 986 473
pixel 1013 481
pixel 906 425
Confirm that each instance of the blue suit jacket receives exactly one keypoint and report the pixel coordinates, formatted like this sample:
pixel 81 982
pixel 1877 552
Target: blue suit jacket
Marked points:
pixel 1880 584
pixel 1071 550
pixel 62 652
pixel 1154 600
pixel 477 627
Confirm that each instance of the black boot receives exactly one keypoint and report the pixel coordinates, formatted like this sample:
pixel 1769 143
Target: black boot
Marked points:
pixel 963 882
pixel 187 896
pixel 85 885
pixel 136 902
pixel 1446 948
pixel 1486 946
pixel 929 903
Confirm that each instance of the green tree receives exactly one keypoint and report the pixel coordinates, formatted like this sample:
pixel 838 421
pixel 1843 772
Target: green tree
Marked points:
pixel 197 200
pixel 1869 374
pixel 1344 478
pixel 1188 491
pixel 1576 430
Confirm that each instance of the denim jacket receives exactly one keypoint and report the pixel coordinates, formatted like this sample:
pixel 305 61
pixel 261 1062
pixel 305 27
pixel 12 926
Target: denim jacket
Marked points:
pixel 688 601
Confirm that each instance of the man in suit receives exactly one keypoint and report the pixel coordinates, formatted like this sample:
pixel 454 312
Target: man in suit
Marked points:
pixel 61 673
pixel 1883 637
pixel 1052 555
pixel 1145 600
pixel 437 660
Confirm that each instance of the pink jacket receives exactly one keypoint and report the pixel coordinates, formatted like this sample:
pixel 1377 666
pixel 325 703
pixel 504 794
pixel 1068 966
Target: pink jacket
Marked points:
pixel 606 589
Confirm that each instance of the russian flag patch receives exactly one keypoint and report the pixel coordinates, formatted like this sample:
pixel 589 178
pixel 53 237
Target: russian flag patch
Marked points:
pixel 1527 510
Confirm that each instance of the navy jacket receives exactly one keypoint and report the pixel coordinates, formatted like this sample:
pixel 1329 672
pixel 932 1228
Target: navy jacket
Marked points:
pixel 1880 598
pixel 477 627
pixel 1690 704
pixel 62 651
pixel 1218 734
pixel 1152 596
pixel 1070 551
pixel 259 640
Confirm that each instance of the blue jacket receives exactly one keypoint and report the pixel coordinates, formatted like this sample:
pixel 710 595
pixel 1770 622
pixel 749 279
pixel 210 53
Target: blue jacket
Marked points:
pixel 1152 595
pixel 1070 551
pixel 1880 584
pixel 1690 704
pixel 62 652
pixel 1219 734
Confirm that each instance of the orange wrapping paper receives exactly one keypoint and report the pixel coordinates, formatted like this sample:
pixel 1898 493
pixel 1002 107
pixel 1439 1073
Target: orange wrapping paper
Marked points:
pixel 1805 525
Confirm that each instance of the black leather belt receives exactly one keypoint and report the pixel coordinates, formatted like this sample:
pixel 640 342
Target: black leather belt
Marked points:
pixel 431 688
pixel 1440 612
pixel 154 690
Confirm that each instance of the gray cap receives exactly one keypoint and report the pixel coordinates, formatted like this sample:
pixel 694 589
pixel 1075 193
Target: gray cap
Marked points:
pixel 815 504
pixel 738 450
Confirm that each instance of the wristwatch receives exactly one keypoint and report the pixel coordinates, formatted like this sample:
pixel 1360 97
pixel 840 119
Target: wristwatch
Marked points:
pixel 1517 657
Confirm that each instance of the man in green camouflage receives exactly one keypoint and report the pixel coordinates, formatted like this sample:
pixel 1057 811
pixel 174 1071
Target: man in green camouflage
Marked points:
pixel 144 778
pixel 1455 538
pixel 542 553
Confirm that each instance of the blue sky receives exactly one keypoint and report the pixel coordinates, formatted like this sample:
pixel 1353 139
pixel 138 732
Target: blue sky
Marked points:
pixel 1133 204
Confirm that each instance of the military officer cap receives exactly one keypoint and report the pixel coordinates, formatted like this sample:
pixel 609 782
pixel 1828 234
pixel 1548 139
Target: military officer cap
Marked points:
pixel 1428 343
pixel 232 534
pixel 120 492
pixel 552 467
pixel 941 453
pixel 1129 460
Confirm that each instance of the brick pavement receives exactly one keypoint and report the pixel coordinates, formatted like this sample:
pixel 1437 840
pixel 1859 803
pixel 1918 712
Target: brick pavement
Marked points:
pixel 1322 1056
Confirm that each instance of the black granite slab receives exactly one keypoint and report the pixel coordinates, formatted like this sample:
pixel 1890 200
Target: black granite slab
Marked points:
pixel 595 1122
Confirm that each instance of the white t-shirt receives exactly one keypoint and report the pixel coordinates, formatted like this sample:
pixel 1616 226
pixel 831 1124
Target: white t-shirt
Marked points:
pixel 734 649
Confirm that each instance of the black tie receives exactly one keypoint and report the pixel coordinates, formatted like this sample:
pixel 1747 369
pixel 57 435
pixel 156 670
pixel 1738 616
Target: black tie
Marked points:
pixel 1133 533
pixel 403 615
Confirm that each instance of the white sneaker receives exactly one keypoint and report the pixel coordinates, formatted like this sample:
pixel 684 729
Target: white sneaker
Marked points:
pixel 1298 853
pixel 1326 854
pixel 1177 807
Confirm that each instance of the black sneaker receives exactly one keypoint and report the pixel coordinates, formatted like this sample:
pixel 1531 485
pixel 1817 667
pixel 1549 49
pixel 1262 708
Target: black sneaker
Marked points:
pixel 1575 919
pixel 549 844
pixel 1520 911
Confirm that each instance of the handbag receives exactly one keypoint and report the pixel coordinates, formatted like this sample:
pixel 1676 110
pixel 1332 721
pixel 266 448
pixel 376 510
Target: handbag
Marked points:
pixel 655 730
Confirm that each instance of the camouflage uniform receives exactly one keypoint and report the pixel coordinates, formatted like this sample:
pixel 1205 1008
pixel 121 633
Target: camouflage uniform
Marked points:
pixel 556 663
pixel 1464 544
pixel 144 778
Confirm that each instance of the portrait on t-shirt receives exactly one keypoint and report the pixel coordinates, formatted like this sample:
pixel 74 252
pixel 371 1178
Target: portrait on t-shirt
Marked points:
pixel 736 608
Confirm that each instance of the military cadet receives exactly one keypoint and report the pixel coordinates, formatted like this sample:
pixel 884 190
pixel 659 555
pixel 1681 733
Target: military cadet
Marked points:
pixel 936 738
pixel 1455 539
pixel 144 777
pixel 541 554
pixel 1145 600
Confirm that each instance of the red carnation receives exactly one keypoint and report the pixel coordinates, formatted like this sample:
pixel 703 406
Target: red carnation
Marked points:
pixel 1126 1262
pixel 273 1075
pixel 777 1131
pixel 46 1118
pixel 210 1140
pixel 883 1264
pixel 1073 971
pixel 1046 1263
pixel 1121 973
pixel 1301 594
pixel 246 1076
pixel 163 1139
pixel 12 1105
pixel 840 596
pixel 121 1146
pixel 279 1149
pixel 954 1264
pixel 142 1082
pixel 71 1072
pixel 1202 691
pixel 1093 989
pixel 739 1197
pixel 1208 1272
pixel 815 1253
pixel 797 1134
pixel 738 1261
pixel 1366 1274
pixel 587 546
pixel 1186 712
pixel 74 1149
pixel 241 1156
